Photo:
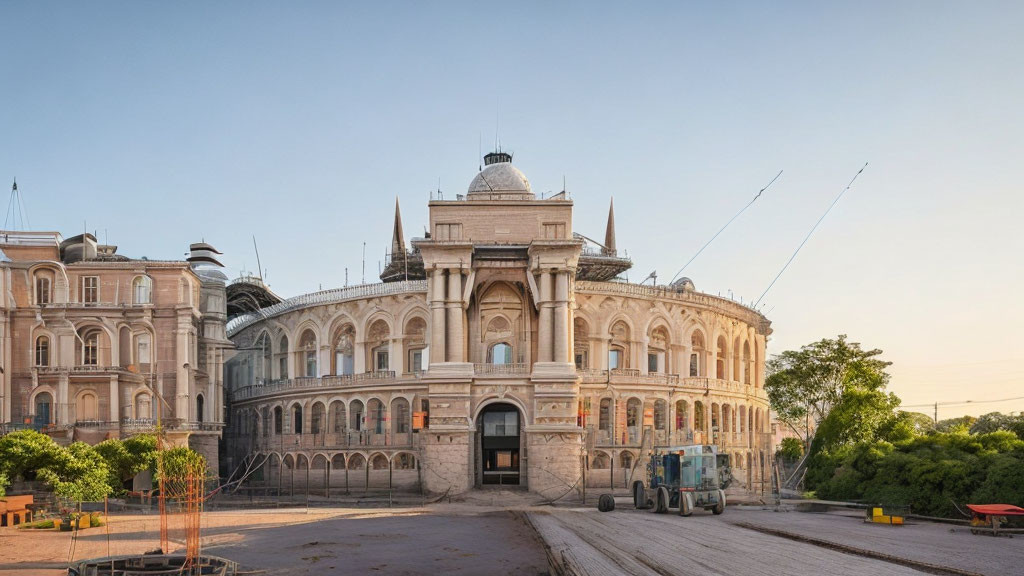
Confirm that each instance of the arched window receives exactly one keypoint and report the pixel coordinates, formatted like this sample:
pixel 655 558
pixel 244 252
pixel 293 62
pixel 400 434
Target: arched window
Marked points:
pixel 266 366
pixel 143 406
pixel 375 412
pixel 682 415
pixel 307 353
pixel 344 360
pixel 660 415
pixel 378 339
pixel 282 360
pixel 500 353
pixel 657 348
pixel 43 294
pixel 604 415
pixel 633 419
pixel 142 290
pixel 580 343
pixel 43 409
pixel 618 349
pixel 297 419
pixel 143 345
pixel 699 417
pixel 87 408
pixel 415 343
pixel 696 353
pixel 91 348
pixel 338 412
pixel 316 422
pixel 356 409
pixel 278 420
pixel 43 351
pixel 400 415
pixel 720 361
pixel 199 408
pixel 746 363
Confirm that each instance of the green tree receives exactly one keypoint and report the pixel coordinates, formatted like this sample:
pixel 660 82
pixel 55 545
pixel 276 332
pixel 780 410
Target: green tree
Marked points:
pixel 961 425
pixel 127 458
pixel 807 384
pixel 24 452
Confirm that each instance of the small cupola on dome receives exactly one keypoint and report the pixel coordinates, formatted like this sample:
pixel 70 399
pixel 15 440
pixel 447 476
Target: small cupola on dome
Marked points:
pixel 496 157
pixel 499 180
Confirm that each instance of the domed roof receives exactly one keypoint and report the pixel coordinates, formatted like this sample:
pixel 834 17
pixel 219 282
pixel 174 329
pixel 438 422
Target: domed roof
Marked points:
pixel 499 176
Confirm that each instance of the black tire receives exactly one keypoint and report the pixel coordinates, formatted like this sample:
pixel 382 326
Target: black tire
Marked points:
pixel 606 503
pixel 662 501
pixel 720 507
pixel 640 496
pixel 685 508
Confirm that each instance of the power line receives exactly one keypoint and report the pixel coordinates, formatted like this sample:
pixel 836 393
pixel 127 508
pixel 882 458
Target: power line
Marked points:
pixel 808 237
pixel 961 403
pixel 759 192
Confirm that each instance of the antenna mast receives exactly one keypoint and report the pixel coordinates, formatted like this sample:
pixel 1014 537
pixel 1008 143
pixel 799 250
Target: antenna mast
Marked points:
pixel 16 210
pixel 259 267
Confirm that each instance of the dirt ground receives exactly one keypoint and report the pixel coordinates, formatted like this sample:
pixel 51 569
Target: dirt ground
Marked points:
pixel 476 536
pixel 448 539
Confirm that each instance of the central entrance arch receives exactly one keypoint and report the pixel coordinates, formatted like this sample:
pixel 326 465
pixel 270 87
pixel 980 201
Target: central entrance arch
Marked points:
pixel 499 433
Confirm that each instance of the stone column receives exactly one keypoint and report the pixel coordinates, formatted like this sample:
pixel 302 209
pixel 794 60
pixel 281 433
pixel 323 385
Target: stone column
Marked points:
pixel 544 325
pixel 115 400
pixel 359 357
pixel 455 344
pixel 181 381
pixel 561 312
pixel 62 399
pixel 437 330
pixel 398 356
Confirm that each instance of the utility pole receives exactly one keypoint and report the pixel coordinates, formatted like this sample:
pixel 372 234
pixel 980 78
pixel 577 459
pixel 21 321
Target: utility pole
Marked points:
pixel 936 412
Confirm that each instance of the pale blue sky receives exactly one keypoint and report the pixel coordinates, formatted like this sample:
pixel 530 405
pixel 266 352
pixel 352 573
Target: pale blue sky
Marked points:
pixel 161 123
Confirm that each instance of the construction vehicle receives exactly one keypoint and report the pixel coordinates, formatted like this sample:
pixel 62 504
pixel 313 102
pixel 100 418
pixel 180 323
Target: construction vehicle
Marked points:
pixel 680 477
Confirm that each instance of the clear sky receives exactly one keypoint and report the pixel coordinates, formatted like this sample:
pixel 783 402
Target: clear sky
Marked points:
pixel 157 124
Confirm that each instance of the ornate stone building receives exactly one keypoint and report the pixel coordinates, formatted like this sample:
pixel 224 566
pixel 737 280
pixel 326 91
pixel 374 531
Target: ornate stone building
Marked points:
pixel 97 345
pixel 500 349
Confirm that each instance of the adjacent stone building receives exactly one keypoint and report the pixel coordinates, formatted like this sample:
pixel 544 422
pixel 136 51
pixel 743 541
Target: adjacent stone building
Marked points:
pixel 502 348
pixel 96 345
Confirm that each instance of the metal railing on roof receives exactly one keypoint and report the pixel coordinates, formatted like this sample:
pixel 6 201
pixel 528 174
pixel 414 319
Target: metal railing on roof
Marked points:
pixel 325 297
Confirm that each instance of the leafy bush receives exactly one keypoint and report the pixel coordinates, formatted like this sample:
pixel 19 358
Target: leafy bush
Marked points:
pixel 127 458
pixel 791 449
pixel 3 484
pixel 928 473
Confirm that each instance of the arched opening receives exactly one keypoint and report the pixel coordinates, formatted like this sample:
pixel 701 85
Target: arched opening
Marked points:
pixel 746 363
pixel 657 351
pixel 378 342
pixel 604 418
pixel 306 356
pixel 415 342
pixel 316 422
pixel 699 417
pixel 500 353
pixel 633 422
pixel 338 415
pixel 498 429
pixel 619 347
pixel 581 343
pixel 278 420
pixel 43 351
pixel 143 406
pixel 375 416
pixel 265 367
pixel 297 419
pixel 199 408
pixel 265 420
pixel 87 407
pixel 142 290
pixel 356 415
pixel 344 346
pixel 660 415
pixel 682 415
pixel 696 354
pixel 282 358
pixel 43 410
pixel 720 361
pixel 400 421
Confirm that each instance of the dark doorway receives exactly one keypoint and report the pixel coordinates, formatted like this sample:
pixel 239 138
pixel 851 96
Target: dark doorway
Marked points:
pixel 499 444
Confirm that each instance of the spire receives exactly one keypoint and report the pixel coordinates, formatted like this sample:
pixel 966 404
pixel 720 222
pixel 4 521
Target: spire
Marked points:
pixel 398 238
pixel 609 232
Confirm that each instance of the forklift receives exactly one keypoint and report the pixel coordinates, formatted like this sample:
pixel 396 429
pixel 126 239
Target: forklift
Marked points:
pixel 680 477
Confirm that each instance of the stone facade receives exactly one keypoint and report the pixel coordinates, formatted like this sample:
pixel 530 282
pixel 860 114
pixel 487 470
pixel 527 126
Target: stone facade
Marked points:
pixel 496 352
pixel 97 345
